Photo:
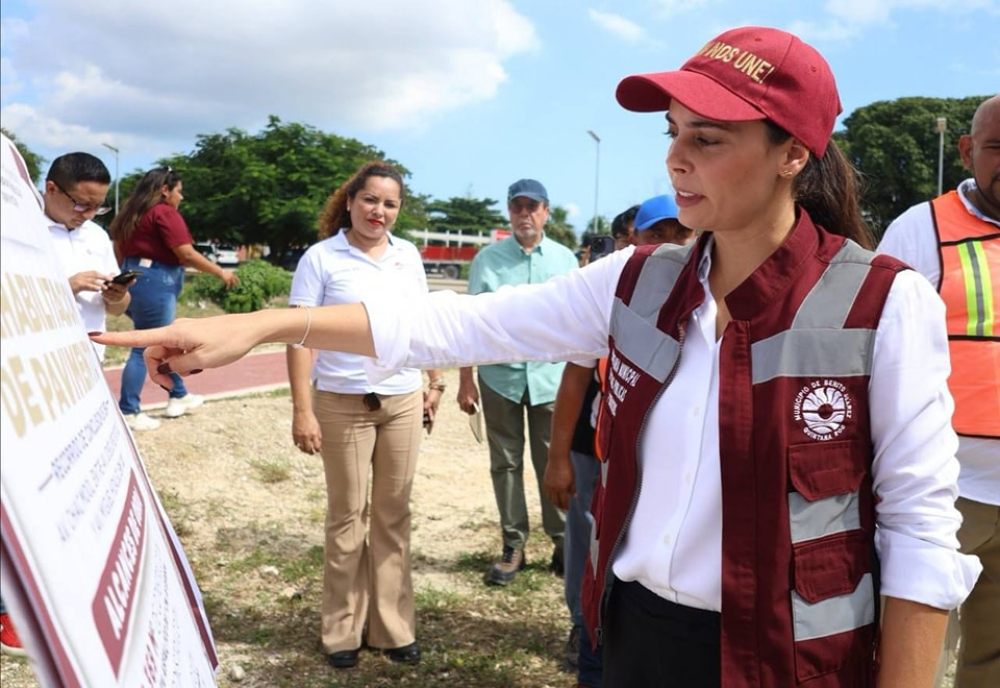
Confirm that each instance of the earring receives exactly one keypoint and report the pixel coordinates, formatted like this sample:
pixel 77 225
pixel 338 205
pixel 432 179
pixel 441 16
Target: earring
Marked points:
pixel 786 174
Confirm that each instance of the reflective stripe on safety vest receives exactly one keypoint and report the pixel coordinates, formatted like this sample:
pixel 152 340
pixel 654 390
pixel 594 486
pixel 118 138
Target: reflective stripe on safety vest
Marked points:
pixel 970 279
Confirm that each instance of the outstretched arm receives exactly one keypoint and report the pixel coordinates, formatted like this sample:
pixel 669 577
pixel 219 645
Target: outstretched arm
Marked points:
pixel 195 344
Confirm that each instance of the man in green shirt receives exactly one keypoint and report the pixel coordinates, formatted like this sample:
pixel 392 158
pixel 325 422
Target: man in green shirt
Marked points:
pixel 511 391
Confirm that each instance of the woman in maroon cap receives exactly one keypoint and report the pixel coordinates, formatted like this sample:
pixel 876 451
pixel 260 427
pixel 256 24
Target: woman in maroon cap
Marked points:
pixel 776 506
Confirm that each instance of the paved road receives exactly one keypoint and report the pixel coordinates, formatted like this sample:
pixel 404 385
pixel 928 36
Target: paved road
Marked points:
pixel 257 372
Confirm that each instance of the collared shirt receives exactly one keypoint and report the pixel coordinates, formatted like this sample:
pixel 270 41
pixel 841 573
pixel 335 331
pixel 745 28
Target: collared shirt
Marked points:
pixel 507 263
pixel 86 248
pixel 673 545
pixel 911 238
pixel 332 271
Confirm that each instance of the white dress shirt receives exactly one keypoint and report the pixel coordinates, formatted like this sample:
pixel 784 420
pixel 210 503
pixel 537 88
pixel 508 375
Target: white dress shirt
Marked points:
pixel 673 546
pixel 83 249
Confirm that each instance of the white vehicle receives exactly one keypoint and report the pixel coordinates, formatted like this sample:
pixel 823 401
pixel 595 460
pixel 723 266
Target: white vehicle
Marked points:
pixel 208 250
pixel 226 254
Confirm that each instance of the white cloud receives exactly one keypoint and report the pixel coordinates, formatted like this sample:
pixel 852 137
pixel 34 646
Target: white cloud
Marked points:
pixel 9 78
pixel 619 26
pixel 167 70
pixel 850 18
pixel 677 6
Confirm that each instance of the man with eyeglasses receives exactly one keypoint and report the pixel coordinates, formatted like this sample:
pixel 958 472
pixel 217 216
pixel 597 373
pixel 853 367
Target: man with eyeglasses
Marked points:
pixel 75 189
pixel 512 390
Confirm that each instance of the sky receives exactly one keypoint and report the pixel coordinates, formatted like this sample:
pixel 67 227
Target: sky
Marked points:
pixel 468 95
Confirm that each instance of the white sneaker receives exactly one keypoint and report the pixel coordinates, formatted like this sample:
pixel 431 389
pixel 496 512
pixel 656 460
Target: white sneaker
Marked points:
pixel 140 421
pixel 179 406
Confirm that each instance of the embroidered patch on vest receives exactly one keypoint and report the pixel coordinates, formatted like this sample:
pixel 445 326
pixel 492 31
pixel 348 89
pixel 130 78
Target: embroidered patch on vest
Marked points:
pixel 823 407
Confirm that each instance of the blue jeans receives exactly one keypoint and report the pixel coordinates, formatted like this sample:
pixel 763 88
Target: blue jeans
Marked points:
pixel 579 524
pixel 154 304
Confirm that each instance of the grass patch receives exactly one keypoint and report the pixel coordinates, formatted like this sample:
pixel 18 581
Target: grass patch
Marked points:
pixel 271 470
pixel 178 512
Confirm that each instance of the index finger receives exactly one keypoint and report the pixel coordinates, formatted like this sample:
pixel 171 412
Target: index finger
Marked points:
pixel 137 338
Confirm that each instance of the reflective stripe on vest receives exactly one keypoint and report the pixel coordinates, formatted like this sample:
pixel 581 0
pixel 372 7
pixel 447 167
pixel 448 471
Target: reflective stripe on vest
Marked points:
pixel 815 345
pixel 631 323
pixel 835 615
pixel 970 280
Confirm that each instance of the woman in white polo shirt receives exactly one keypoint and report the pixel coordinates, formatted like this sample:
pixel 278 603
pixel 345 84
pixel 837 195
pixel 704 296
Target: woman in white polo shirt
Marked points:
pixel 360 428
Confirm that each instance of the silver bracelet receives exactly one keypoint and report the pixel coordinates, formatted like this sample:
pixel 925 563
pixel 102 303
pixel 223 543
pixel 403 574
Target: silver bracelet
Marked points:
pixel 309 322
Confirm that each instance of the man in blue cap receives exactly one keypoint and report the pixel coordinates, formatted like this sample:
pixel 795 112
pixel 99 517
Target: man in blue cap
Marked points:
pixel 511 391
pixel 657 223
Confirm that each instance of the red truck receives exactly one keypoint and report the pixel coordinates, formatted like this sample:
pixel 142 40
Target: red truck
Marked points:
pixel 446 252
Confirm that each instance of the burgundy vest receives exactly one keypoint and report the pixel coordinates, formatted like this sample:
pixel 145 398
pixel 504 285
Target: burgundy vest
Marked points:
pixel 799 572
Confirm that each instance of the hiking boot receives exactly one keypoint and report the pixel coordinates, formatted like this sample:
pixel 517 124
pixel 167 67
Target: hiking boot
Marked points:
pixel 177 407
pixel 573 647
pixel 10 644
pixel 506 567
pixel 140 421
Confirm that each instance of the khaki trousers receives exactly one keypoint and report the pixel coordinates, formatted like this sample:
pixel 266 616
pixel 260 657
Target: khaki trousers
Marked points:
pixel 367 586
pixel 505 433
pixel 979 617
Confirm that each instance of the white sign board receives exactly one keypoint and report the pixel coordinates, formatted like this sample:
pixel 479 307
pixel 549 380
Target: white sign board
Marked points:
pixel 91 571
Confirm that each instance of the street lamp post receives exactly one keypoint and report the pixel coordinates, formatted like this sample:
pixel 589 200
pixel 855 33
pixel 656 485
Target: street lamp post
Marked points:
pixel 597 175
pixel 942 126
pixel 115 150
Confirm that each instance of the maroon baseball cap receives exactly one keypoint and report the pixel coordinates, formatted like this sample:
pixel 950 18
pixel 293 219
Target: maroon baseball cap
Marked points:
pixel 745 74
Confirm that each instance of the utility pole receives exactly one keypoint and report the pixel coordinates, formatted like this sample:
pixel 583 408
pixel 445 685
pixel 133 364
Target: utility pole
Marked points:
pixel 597 176
pixel 942 127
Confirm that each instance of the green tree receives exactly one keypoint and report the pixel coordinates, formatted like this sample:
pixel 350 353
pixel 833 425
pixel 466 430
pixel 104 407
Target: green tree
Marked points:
pixel 559 229
pixel 269 188
pixel 603 226
pixel 33 160
pixel 895 146
pixel 469 215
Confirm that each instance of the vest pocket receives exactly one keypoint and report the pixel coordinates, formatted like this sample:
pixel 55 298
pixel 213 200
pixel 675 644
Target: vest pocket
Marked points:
pixel 833 608
pixel 833 596
pixel 819 470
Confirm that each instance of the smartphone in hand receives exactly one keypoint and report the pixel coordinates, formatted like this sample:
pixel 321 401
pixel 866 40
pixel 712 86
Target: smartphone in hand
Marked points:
pixel 126 277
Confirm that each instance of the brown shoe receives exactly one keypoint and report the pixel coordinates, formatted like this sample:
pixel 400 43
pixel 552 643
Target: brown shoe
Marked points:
pixel 506 567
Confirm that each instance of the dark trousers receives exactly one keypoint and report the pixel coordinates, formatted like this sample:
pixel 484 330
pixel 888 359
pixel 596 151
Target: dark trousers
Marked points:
pixel 652 643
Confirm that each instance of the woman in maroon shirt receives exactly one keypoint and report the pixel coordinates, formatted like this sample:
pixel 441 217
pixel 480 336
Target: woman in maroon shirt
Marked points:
pixel 151 237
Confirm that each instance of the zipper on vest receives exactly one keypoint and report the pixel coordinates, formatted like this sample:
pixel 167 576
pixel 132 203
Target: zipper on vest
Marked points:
pixel 606 593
